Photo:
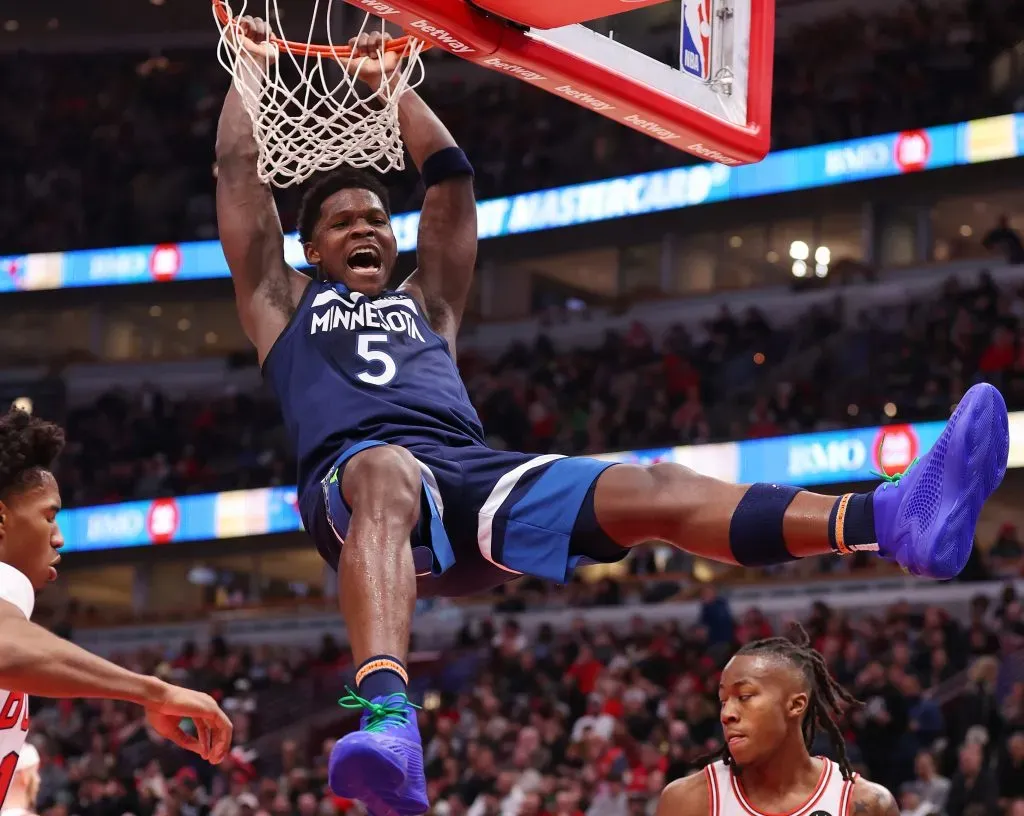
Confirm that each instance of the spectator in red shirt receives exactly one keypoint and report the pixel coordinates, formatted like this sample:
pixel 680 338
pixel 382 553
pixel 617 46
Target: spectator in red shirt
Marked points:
pixel 680 375
pixel 585 669
pixel 1000 354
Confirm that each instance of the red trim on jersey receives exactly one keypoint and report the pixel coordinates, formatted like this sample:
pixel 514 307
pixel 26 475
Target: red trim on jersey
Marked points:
pixel 823 780
pixel 846 800
pixel 714 801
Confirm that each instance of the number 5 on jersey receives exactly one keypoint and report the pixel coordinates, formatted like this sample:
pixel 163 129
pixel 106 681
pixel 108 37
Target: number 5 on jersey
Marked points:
pixel 383 368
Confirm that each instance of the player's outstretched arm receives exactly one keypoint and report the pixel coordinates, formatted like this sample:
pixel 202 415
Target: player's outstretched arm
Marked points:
pixel 685 797
pixel 247 218
pixel 871 799
pixel 37 662
pixel 446 244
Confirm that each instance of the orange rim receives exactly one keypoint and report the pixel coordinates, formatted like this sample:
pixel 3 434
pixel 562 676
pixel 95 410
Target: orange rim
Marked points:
pixel 310 49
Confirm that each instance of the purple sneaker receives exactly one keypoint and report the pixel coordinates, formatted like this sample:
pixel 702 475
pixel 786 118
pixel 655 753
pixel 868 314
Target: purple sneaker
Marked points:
pixel 925 518
pixel 381 764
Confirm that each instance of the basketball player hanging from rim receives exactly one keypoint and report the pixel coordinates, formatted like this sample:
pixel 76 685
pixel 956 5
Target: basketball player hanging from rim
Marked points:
pixel 775 695
pixel 397 486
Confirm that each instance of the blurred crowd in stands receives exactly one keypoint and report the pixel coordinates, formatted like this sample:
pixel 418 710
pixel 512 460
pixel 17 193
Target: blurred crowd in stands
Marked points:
pixel 735 377
pixel 593 721
pixel 118 148
pixel 648 576
pixel 590 721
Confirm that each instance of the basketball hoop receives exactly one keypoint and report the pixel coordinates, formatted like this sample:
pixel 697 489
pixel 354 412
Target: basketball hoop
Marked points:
pixel 310 111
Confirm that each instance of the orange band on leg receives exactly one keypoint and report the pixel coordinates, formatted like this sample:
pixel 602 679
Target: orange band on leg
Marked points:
pixel 382 664
pixel 844 502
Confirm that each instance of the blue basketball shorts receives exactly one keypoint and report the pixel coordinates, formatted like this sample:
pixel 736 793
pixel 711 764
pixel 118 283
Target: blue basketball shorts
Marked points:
pixel 486 517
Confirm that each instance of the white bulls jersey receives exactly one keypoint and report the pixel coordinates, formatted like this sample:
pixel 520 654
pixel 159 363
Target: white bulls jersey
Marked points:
pixel 16 589
pixel 831 797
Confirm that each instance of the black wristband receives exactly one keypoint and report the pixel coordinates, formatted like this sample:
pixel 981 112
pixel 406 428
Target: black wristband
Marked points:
pixel 445 164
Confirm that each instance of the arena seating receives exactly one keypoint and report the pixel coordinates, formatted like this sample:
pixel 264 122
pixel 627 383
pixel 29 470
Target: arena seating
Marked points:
pixel 588 720
pixel 735 377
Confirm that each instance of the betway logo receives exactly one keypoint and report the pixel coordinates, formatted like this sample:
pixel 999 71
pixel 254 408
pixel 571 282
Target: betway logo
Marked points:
pixel 584 97
pixel 710 153
pixel 653 128
pixel 380 9
pixel 512 68
pixel 815 459
pixel 441 36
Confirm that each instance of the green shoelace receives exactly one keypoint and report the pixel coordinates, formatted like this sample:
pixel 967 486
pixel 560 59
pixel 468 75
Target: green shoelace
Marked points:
pixel 391 712
pixel 893 480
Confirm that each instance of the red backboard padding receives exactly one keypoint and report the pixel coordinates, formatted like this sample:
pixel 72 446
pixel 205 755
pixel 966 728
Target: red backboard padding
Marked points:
pixel 555 13
pixel 602 86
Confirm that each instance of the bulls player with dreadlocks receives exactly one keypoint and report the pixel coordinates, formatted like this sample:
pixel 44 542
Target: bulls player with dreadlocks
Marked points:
pixel 775 695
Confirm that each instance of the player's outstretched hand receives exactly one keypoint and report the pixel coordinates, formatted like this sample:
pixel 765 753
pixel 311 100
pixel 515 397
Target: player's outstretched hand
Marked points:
pixel 370 62
pixel 212 740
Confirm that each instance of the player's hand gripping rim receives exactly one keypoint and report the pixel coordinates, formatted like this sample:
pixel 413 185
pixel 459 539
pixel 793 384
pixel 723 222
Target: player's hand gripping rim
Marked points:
pixel 253 34
pixel 371 62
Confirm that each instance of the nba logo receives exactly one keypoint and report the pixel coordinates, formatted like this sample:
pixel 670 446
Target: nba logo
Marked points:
pixel 698 16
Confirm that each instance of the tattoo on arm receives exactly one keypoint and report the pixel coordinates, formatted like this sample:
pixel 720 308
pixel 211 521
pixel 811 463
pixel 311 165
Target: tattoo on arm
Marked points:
pixel 879 803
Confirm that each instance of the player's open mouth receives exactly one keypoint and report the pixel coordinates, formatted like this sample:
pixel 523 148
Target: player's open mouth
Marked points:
pixel 53 568
pixel 364 259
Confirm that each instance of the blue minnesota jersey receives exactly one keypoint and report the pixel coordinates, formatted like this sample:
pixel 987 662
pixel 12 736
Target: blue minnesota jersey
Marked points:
pixel 350 368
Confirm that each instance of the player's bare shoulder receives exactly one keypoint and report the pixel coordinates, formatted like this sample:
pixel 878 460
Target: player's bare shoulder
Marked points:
pixel 871 799
pixel 686 797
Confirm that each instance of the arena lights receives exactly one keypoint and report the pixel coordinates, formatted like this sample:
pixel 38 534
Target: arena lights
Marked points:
pixel 800 253
pixel 822 258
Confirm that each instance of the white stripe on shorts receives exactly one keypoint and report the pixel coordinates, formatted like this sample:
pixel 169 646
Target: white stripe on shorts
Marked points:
pixel 505 485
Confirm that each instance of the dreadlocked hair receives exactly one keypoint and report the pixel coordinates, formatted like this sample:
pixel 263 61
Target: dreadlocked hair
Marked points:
pixel 827 697
pixel 28 447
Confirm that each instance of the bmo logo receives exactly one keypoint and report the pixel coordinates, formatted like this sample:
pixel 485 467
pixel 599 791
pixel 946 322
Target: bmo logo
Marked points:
pixel 895 448
pixel 836 457
pixel 165 262
pixel 913 150
pixel 865 158
pixel 163 520
pixel 112 528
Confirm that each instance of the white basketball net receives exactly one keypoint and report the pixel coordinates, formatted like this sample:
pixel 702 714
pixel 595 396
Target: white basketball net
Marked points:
pixel 313 113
